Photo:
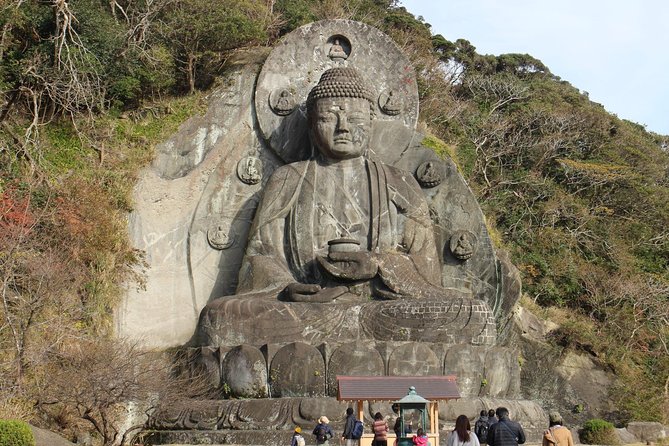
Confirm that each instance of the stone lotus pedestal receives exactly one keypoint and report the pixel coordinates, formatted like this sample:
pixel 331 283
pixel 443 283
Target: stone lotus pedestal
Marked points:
pixel 300 369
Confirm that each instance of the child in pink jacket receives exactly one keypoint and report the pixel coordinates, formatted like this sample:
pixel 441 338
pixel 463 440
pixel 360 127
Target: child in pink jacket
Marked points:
pixel 420 439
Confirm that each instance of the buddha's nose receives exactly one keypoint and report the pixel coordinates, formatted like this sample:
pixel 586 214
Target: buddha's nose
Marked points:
pixel 342 124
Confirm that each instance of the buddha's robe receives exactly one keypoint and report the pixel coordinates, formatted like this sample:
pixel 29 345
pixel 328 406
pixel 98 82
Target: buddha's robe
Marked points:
pixel 308 203
pixel 305 205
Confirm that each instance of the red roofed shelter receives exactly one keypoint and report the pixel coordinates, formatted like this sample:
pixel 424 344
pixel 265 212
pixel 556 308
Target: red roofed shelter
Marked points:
pixel 426 391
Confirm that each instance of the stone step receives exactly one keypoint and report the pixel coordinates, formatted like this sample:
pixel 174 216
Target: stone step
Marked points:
pixel 258 437
pixel 223 437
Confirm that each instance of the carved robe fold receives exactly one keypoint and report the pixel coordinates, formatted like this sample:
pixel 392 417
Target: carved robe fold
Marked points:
pixel 306 204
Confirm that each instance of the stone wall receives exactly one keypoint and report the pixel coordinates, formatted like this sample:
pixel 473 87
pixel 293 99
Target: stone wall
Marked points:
pixel 170 222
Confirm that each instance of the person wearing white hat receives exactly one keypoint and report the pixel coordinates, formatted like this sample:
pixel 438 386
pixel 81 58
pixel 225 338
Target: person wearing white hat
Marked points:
pixel 322 431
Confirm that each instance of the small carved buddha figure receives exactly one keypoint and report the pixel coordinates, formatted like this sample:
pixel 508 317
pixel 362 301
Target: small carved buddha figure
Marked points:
pixel 392 105
pixel 337 52
pixel 284 104
pixel 341 228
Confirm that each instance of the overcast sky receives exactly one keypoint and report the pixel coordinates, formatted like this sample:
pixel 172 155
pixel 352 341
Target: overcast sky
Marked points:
pixel 616 50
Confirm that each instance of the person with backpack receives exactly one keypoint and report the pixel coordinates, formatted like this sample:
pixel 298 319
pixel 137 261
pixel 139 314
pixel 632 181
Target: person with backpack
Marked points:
pixel 491 418
pixel 298 439
pixel 322 431
pixel 481 427
pixel 352 429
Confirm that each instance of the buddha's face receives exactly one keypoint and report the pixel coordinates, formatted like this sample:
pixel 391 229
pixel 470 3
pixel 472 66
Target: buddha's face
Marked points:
pixel 340 127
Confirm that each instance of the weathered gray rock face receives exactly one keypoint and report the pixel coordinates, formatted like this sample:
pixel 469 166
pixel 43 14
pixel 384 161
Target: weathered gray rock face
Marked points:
pixel 177 213
pixel 625 436
pixel 47 438
pixel 574 384
pixel 648 431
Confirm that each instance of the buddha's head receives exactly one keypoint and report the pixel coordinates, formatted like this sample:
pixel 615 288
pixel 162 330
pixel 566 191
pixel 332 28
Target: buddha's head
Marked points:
pixel 339 109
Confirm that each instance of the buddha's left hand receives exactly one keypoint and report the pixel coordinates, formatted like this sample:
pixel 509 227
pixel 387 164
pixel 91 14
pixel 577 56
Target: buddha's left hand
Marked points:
pixel 360 265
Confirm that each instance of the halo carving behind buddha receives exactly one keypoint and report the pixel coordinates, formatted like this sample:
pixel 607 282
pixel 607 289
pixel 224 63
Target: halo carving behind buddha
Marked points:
pixel 296 65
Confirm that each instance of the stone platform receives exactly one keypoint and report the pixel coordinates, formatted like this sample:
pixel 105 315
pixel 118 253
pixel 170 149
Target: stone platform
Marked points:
pixel 270 422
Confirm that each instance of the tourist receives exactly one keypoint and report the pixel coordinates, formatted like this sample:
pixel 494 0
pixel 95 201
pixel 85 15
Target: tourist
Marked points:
pixel 298 439
pixel 380 430
pixel 557 434
pixel 491 419
pixel 462 435
pixel 408 427
pixel 420 439
pixel 347 435
pixel 505 432
pixel 322 431
pixel 481 426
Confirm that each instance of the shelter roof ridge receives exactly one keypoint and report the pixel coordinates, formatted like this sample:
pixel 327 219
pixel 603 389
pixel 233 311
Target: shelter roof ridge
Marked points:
pixel 392 388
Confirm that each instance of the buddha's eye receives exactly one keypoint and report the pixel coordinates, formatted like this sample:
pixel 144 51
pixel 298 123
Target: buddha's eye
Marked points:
pixel 358 119
pixel 327 117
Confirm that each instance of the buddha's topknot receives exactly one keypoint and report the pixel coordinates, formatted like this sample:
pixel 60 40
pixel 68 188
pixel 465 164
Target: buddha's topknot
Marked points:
pixel 340 82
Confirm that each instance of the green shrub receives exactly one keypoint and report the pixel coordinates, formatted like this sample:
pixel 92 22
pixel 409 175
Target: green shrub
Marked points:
pixel 15 433
pixel 598 431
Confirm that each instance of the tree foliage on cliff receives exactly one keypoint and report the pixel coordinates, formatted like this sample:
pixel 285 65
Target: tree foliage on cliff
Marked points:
pixel 579 197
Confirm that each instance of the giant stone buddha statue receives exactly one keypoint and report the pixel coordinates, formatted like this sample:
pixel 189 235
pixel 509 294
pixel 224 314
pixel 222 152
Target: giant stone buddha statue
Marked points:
pixel 317 228
pixel 305 230
pixel 341 234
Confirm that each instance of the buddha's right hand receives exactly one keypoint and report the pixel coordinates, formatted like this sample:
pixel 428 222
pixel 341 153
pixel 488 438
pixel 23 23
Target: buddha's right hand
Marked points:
pixel 309 292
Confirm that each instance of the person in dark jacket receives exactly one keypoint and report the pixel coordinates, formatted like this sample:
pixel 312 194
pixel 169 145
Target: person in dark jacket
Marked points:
pixel 347 435
pixel 505 432
pixel 481 426
pixel 491 420
pixel 322 431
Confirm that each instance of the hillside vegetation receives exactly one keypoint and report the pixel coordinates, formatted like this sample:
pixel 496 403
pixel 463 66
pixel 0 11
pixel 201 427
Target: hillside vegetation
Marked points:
pixel 579 197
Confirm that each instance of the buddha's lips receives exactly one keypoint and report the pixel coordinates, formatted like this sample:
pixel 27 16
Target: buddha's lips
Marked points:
pixel 342 140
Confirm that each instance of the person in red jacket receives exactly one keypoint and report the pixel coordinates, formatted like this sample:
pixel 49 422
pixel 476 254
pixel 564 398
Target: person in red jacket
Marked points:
pixel 420 439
